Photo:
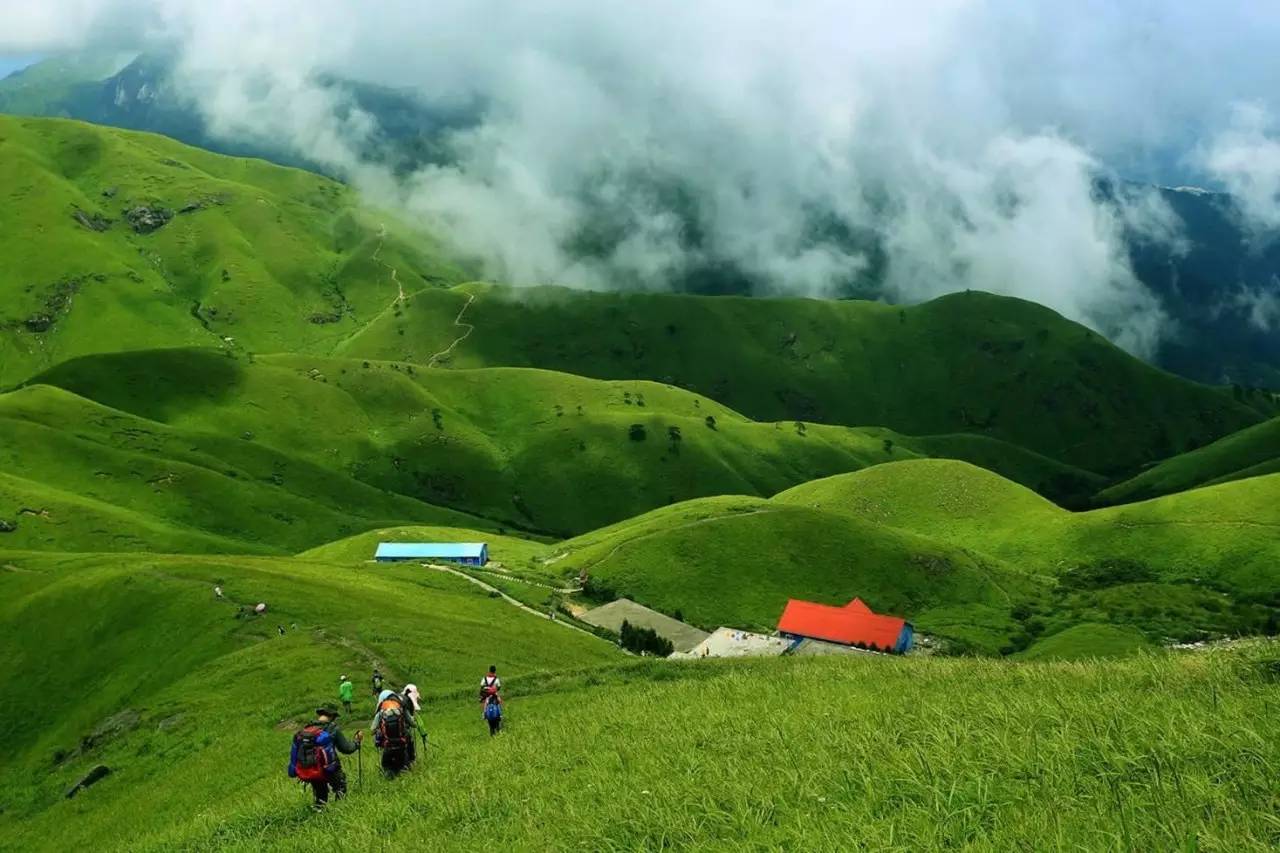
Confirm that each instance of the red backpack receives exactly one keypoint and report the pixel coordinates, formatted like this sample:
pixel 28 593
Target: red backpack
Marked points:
pixel 314 757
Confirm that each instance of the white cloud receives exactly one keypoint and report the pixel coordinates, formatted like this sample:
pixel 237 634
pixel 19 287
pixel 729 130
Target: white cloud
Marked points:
pixel 1261 305
pixel 1246 159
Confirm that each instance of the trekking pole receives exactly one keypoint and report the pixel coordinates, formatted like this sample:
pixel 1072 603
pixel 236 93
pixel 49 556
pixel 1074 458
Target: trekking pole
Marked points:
pixel 360 765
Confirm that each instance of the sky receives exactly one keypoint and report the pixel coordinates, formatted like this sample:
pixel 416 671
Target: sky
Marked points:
pixel 939 144
pixel 11 62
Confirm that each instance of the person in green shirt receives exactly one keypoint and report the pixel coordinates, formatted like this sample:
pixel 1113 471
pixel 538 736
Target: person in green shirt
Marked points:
pixel 346 692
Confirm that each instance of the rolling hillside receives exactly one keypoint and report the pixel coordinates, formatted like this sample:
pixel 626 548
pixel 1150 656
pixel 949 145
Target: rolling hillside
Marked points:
pixel 118 241
pixel 188 683
pixel 192 710
pixel 124 241
pixel 971 363
pixel 964 554
pixel 77 476
pixel 1251 452
pixel 1199 286
pixel 1224 534
pixel 521 447
pixel 223 373
pixel 736 561
pixel 1185 566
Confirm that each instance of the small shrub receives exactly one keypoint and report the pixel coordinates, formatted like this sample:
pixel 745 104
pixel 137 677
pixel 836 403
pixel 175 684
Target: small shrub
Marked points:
pixel 636 432
pixel 710 422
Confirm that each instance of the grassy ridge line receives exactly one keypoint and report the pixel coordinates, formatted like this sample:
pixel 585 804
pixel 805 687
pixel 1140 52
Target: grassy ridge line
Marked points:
pixel 1223 534
pixel 970 362
pixel 228 487
pixel 518 445
pixel 1250 452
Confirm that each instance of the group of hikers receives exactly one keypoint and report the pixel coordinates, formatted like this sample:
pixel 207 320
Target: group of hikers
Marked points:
pixel 314 758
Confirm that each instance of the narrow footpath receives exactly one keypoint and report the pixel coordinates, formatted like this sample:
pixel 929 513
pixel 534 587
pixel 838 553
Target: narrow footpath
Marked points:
pixel 514 603
pixel 395 275
pixel 457 321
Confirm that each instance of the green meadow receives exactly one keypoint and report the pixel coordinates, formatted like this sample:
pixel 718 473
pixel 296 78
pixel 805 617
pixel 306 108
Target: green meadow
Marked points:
pixel 216 372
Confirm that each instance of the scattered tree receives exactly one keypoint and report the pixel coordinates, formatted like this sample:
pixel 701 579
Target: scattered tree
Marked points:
pixel 636 432
pixel 711 422
pixel 644 640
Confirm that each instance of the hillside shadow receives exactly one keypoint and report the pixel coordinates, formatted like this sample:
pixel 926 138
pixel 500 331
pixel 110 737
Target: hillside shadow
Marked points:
pixel 154 384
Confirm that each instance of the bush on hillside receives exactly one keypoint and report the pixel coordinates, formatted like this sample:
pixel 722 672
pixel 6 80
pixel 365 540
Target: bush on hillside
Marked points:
pixel 1106 573
pixel 644 641
pixel 597 590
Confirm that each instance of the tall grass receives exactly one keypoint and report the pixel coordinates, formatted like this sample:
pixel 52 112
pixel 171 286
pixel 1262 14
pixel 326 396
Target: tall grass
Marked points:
pixel 1152 753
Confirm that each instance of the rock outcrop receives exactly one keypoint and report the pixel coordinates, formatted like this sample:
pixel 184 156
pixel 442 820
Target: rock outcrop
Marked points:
pixel 144 219
pixel 92 221
pixel 97 774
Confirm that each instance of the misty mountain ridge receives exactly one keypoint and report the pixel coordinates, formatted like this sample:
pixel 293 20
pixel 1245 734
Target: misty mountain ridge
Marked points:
pixel 1217 284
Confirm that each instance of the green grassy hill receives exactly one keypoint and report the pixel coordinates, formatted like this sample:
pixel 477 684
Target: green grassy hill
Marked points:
pixel 1224 534
pixel 1087 642
pixel 522 447
pixel 193 710
pixel 98 635
pixel 969 362
pixel 736 561
pixel 41 88
pixel 1200 563
pixel 222 372
pixel 1251 452
pixel 252 256
pixel 264 259
pixel 77 476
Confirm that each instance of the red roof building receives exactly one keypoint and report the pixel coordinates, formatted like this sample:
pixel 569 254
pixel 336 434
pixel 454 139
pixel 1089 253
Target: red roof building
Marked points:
pixel 852 625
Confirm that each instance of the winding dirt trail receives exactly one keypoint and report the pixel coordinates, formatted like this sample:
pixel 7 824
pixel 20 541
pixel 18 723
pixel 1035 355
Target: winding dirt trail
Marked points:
pixel 457 321
pixel 513 602
pixel 395 275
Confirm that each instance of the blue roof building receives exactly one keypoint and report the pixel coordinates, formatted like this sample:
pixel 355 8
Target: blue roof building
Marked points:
pixel 466 553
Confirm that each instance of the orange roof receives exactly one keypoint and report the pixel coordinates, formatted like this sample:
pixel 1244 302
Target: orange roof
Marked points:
pixel 852 624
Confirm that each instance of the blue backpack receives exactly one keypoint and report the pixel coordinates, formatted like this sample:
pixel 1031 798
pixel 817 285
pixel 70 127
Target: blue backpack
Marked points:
pixel 492 711
pixel 313 756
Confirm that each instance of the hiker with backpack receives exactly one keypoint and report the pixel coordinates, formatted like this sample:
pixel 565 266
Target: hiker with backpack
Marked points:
pixel 491 700
pixel 346 692
pixel 393 732
pixel 376 682
pixel 413 699
pixel 314 757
